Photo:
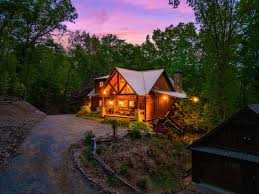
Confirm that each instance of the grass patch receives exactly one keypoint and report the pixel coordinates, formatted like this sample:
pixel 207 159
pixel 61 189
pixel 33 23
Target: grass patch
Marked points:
pixel 166 183
pixel 114 182
pixel 135 134
pixel 143 183
pixel 124 169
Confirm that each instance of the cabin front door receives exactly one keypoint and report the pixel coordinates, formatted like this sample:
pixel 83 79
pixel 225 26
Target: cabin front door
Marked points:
pixel 249 178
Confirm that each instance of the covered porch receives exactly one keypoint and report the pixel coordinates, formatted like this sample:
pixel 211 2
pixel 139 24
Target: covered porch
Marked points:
pixel 122 106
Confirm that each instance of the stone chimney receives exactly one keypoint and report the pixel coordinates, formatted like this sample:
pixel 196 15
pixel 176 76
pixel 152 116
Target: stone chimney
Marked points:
pixel 178 84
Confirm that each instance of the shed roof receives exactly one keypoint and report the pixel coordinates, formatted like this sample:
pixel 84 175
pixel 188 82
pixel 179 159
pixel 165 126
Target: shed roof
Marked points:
pixel 253 107
pixel 227 153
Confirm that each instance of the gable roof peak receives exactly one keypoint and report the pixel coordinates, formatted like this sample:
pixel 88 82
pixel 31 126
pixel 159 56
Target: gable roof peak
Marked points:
pixel 140 81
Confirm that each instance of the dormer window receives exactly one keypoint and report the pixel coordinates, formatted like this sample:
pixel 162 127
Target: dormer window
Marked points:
pixel 101 84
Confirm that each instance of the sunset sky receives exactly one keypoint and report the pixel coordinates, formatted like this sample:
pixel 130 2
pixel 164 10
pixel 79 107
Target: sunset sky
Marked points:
pixel 131 20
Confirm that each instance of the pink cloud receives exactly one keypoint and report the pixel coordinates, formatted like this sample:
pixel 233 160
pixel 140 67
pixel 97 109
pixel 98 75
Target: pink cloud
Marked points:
pixel 130 36
pixel 156 5
pixel 100 16
pixel 130 23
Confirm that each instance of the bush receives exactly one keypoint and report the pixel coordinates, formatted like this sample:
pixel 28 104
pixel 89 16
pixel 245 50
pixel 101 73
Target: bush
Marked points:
pixel 135 134
pixel 139 126
pixel 114 182
pixel 143 183
pixel 88 137
pixel 89 156
pixel 84 110
pixel 124 170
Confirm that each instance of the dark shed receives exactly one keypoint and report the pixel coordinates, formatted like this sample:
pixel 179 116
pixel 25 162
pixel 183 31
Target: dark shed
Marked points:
pixel 228 156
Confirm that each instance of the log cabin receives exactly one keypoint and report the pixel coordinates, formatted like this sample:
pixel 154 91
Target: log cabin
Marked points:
pixel 137 95
pixel 227 158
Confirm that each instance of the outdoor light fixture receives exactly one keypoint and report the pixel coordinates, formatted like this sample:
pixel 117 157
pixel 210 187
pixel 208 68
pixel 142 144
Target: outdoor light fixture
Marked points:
pixel 165 97
pixel 111 102
pixel 105 92
pixel 195 99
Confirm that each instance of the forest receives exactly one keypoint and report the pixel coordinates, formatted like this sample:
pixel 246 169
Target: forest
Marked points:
pixel 218 55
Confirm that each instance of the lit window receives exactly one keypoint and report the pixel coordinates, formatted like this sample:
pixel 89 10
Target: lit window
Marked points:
pixel 100 102
pixel 131 103
pixel 101 84
pixel 122 103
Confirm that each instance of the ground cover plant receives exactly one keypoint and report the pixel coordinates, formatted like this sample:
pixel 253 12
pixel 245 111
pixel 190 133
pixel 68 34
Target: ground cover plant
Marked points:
pixel 151 164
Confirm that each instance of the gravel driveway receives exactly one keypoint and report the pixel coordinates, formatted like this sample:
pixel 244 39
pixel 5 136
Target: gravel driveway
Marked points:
pixel 43 165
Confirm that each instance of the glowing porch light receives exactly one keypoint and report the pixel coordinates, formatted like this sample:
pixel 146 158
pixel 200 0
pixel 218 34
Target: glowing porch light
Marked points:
pixel 195 99
pixel 105 92
pixel 165 97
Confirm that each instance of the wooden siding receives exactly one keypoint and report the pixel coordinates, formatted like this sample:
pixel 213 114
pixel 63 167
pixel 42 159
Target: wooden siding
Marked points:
pixel 157 106
pixel 230 174
pixel 97 84
pixel 239 134
pixel 163 84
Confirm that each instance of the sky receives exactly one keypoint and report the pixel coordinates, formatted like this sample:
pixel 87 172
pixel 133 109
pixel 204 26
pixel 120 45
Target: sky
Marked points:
pixel 130 20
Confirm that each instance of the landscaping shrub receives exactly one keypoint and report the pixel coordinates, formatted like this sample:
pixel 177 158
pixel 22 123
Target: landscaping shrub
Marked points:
pixel 88 137
pixel 135 134
pixel 187 166
pixel 84 110
pixel 89 156
pixel 143 183
pixel 123 122
pixel 139 125
pixel 114 182
pixel 124 169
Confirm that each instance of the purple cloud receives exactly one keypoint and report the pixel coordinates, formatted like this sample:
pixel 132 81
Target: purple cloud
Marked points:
pixel 128 19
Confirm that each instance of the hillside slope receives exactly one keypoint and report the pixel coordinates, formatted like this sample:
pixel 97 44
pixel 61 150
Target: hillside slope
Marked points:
pixel 16 119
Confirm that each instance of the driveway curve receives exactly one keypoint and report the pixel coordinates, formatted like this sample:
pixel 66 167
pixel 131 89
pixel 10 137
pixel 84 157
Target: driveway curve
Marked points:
pixel 42 164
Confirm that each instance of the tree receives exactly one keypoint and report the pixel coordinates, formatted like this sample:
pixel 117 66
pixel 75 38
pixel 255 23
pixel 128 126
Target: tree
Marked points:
pixel 32 22
pixel 248 53
pixel 220 24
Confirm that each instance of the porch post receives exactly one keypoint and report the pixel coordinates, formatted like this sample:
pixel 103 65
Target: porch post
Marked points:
pixel 137 115
pixel 103 109
pixel 136 109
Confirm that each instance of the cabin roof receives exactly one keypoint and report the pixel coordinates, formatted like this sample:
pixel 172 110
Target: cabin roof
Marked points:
pixel 227 153
pixel 140 81
pixel 92 93
pixel 252 107
pixel 173 94
pixel 102 77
